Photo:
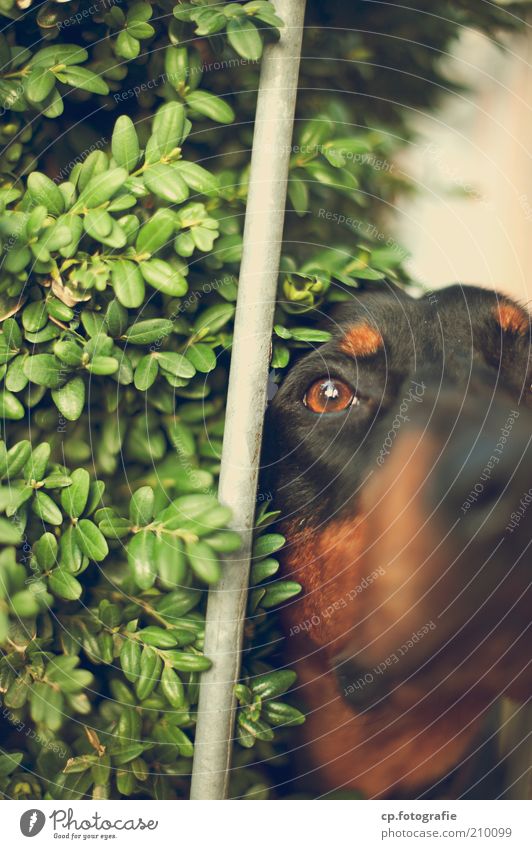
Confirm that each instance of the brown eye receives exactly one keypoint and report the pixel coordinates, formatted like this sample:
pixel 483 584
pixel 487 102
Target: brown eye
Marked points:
pixel 329 395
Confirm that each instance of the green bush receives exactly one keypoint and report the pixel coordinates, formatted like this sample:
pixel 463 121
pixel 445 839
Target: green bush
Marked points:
pixel 126 141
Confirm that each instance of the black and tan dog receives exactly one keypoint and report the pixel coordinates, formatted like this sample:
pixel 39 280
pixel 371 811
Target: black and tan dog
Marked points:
pixel 400 454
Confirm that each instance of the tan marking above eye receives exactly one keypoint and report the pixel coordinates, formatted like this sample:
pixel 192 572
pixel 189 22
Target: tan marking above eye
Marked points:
pixel 361 340
pixel 329 395
pixel 512 319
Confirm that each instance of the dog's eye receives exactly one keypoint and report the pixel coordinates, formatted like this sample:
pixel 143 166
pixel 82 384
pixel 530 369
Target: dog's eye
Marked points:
pixel 329 395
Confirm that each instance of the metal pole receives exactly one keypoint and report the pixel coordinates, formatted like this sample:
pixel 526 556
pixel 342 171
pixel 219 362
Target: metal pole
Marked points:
pixel 246 399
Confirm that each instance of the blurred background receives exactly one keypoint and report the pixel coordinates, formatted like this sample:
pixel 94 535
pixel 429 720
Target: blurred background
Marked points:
pixel 471 221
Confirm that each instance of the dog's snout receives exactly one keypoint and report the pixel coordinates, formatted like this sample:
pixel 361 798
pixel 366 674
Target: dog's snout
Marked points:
pixel 485 469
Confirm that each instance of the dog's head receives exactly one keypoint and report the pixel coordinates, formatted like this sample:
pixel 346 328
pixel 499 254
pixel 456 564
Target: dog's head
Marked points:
pixel 400 455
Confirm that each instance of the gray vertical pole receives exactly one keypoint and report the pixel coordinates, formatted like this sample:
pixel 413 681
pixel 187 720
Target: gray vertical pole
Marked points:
pixel 246 397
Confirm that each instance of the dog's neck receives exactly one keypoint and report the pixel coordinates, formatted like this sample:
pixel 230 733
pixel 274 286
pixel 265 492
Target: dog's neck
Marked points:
pixel 380 743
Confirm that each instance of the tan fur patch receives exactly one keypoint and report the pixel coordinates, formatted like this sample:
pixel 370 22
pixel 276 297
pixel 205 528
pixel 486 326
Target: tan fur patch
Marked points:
pixel 361 340
pixel 511 318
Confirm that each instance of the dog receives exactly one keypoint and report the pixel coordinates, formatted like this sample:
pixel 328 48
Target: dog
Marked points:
pixel 400 456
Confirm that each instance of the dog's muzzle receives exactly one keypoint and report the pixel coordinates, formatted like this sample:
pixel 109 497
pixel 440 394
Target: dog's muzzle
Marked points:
pixel 448 519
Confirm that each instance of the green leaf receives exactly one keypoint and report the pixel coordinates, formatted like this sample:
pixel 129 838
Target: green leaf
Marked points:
pixel 224 541
pixel 244 37
pixel 214 318
pixel 60 54
pixel 11 333
pixel 166 183
pixel 98 224
pixel 176 65
pixel 101 188
pixel 45 550
pixel 25 604
pixel 74 498
pixel 10 533
pixel 125 144
pixel 45 370
pixel 211 106
pixel 175 736
pixel 15 379
pixel 316 131
pixel 44 191
pixel 39 84
pixel 10 407
pixel 69 353
pixel 298 194
pixel 96 491
pixel 130 659
pixel 140 553
pixel 114 527
pixel 63 584
pixel 146 332
pixel 170 559
pixel 150 671
pixel 186 661
pixel 172 687
pixel 17 496
pixel 273 683
pixel 54 106
pixel 139 12
pixel 163 277
pixel 309 334
pixel 264 569
pixel 94 324
pixel 279 592
pixel 183 12
pixel 80 764
pixel 116 318
pixel 127 46
pixel 197 178
pixel 70 554
pixel 14 460
pixel 156 233
pixel 128 283
pixel 35 468
pixel 140 30
pixel 158 637
pixel 168 126
pixel 204 562
pixel 70 399
pixel 84 79
pixel 265 12
pixel 46 509
pixel 56 481
pixel 255 727
pixel 280 356
pixel 103 365
pixel 9 763
pixel 202 357
pixel 91 540
pixel 366 273
pixel 175 364
pixel 266 544
pixel 146 373
pixel 172 606
pixel 141 506
pixel 17 693
pixel 279 713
